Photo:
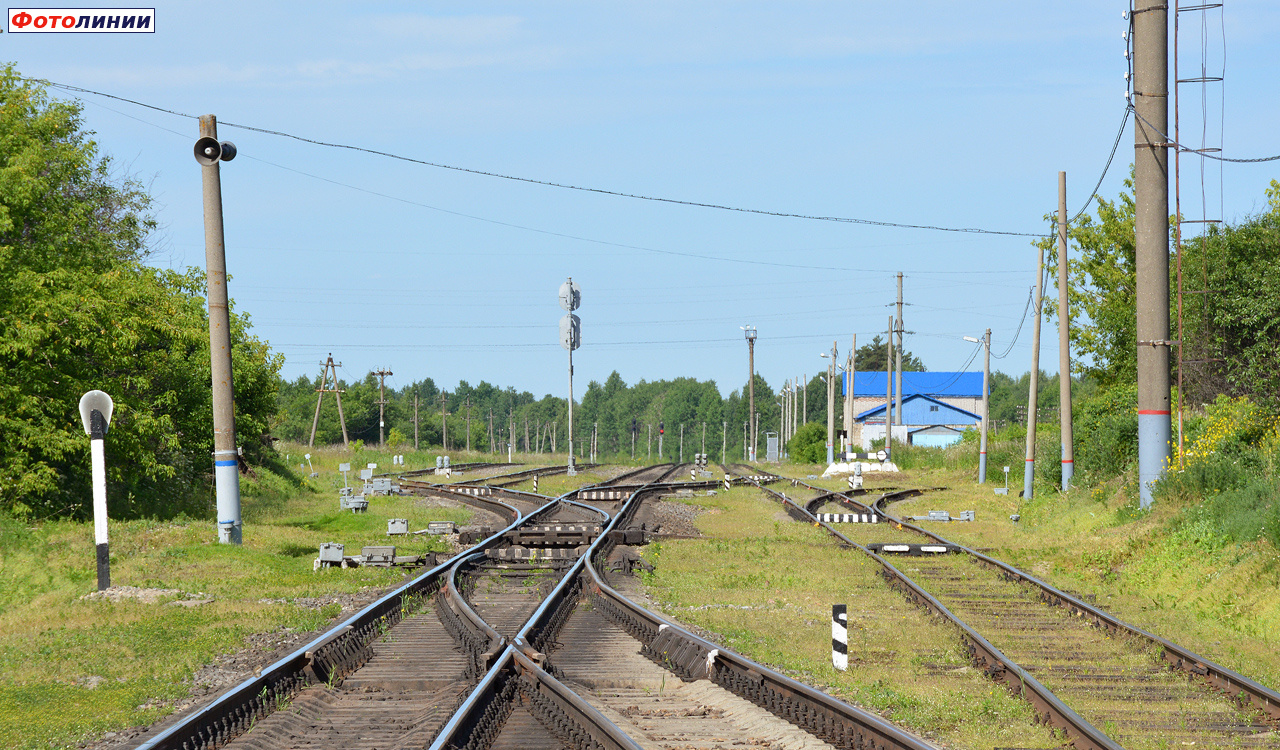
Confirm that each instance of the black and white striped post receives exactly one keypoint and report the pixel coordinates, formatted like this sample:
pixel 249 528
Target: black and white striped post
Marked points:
pixel 535 483
pixel 728 482
pixel 839 636
pixel 95 413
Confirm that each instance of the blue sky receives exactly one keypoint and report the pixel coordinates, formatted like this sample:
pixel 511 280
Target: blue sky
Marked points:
pixel 934 113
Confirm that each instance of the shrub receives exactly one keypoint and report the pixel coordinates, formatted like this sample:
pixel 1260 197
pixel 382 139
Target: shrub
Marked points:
pixel 809 444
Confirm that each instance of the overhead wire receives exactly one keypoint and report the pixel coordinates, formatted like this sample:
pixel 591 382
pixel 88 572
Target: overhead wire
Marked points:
pixel 546 183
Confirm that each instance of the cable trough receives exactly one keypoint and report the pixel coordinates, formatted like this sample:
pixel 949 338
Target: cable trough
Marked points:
pixel 1081 668
pixel 496 651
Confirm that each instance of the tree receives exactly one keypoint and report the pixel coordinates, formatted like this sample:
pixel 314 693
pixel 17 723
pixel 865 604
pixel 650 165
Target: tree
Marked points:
pixel 1232 332
pixel 1102 294
pixel 80 310
pixel 872 357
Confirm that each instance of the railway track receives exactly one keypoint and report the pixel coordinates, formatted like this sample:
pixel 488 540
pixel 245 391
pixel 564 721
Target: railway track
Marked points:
pixel 527 640
pixel 1108 684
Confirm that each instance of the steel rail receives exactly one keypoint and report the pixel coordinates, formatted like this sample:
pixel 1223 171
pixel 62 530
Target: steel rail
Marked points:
pixel 327 659
pixel 487 503
pixel 476 722
pixel 985 655
pixel 1229 681
pixel 694 658
pixel 419 472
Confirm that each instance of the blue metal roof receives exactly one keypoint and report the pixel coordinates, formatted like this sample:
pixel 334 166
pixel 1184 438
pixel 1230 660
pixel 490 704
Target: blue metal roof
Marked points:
pixel 919 409
pixel 926 383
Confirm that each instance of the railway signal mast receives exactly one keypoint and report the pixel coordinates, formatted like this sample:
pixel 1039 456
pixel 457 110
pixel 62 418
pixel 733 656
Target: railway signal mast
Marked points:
pixel 750 332
pixel 570 339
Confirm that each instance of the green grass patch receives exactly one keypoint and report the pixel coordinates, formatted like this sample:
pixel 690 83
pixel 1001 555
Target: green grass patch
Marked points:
pixel 764 585
pixel 72 668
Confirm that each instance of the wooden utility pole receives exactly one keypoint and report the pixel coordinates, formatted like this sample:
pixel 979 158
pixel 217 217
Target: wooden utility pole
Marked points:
pixel 329 367
pixel 724 440
pixel 382 403
pixel 1029 472
pixel 444 421
pixel 897 404
pixel 1064 345
pixel 493 448
pixel 1150 19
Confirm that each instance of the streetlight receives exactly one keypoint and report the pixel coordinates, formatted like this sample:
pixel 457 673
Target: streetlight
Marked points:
pixel 95 413
pixel 986 401
pixel 750 332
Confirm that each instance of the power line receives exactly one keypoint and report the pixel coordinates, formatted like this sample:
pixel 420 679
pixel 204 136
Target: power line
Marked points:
pixel 547 183
pixel 1171 142
pixel 1119 133
pixel 1030 295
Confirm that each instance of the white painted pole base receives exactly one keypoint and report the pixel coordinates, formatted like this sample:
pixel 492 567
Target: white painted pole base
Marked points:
pixel 226 480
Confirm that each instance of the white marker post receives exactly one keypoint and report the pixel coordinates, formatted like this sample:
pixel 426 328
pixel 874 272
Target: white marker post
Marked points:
pixel 95 413
pixel 840 636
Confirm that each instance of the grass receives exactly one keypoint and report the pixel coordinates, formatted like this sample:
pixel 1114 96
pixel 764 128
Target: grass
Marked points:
pixel 1165 570
pixel 769 596
pixel 71 668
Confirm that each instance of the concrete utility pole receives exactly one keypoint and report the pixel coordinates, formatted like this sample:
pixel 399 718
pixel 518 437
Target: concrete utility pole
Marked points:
pixel 682 442
pixel 751 387
pixel 468 423
pixel 382 403
pixel 897 409
pixel 444 421
pixel 1029 472
pixel 986 404
pixel 511 443
pixel 851 367
pixel 1151 224
pixel 226 469
pixel 1064 345
pixel 648 450
pixel 888 391
pixel 415 420
pixel 831 405
pixel 746 441
pixel 493 448
pixel 704 438
pixel 804 406
pixel 724 440
pixel 337 392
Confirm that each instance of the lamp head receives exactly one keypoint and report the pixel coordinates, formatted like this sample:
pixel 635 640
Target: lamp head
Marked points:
pixel 95 413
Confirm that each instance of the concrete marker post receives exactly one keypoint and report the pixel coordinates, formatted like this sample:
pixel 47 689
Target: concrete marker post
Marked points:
pixel 95 413
pixel 840 636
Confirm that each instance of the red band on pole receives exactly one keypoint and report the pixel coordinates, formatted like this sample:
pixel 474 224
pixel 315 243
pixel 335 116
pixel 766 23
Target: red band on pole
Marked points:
pixel 1154 411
